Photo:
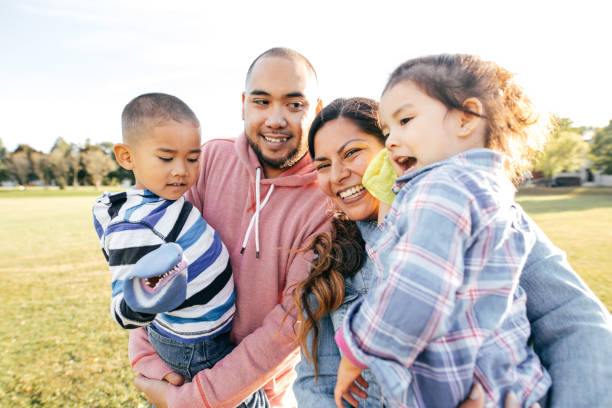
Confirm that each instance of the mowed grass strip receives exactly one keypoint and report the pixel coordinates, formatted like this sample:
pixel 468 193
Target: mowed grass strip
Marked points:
pixel 59 347
pixel 578 220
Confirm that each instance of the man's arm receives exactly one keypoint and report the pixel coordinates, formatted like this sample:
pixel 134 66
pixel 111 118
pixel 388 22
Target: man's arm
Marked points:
pixel 144 358
pixel 570 327
pixel 266 353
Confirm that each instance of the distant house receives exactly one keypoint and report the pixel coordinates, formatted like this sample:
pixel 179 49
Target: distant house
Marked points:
pixel 586 175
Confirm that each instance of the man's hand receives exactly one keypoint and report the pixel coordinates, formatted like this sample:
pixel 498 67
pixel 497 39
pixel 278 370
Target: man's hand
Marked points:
pixel 476 399
pixel 346 384
pixel 174 378
pixel 154 390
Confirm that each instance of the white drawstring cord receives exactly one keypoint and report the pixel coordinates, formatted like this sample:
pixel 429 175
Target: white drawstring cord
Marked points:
pixel 257 209
pixel 255 218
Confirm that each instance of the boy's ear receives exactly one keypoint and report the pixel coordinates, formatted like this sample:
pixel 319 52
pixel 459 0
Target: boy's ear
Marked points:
pixel 469 121
pixel 123 156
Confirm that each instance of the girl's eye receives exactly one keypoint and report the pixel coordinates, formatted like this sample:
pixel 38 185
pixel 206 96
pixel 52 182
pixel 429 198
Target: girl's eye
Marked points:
pixel 193 160
pixel 166 159
pixel 403 121
pixel 322 166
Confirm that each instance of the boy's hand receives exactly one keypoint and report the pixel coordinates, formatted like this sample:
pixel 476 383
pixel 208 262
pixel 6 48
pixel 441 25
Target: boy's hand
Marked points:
pixel 348 374
pixel 174 379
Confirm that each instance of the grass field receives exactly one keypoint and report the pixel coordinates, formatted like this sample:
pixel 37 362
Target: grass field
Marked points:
pixel 60 348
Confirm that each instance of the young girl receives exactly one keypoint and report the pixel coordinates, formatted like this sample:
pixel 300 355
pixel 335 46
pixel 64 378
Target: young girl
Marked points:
pixel 447 309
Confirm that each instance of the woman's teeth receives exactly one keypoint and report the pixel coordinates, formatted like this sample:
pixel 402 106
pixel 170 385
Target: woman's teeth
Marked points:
pixel 350 192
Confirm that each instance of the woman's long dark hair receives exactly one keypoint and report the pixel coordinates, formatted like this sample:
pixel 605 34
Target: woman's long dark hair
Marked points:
pixel 341 252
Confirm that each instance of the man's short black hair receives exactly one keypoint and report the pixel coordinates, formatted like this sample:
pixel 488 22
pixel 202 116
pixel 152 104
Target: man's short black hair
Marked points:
pixel 153 109
pixel 284 53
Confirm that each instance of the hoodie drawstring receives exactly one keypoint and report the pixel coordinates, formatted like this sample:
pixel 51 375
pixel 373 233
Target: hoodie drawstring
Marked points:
pixel 255 218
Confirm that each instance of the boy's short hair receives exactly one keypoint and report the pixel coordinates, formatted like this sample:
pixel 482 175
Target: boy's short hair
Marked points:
pixel 153 109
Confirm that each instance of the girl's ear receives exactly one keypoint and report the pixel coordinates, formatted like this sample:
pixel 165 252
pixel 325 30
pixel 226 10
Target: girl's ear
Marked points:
pixel 469 121
pixel 124 156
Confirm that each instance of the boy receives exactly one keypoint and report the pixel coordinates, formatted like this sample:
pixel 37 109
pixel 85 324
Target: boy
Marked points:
pixel 171 272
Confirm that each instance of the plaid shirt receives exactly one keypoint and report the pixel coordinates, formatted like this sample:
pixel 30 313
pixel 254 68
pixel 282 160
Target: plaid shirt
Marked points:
pixel 447 309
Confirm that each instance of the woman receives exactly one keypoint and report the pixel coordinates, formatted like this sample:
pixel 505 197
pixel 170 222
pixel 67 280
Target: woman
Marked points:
pixel 572 331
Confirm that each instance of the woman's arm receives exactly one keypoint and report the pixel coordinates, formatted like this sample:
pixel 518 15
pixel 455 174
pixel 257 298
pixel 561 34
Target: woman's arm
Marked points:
pixel 571 328
pixel 311 393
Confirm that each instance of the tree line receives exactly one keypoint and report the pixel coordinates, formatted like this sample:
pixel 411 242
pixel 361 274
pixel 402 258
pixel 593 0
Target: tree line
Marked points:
pixel 65 164
pixel 95 164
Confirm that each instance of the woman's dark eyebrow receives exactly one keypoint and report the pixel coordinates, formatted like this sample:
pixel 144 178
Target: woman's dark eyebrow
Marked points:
pixel 341 148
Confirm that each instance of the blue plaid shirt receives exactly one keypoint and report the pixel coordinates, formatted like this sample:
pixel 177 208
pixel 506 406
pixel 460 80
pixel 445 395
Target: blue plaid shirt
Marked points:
pixel 446 308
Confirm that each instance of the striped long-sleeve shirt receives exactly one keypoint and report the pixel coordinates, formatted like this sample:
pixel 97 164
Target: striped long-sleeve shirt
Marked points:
pixel 133 223
pixel 447 309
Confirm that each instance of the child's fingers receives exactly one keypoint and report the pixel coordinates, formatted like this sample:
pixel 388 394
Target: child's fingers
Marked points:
pixel 360 380
pixel 354 389
pixel 348 397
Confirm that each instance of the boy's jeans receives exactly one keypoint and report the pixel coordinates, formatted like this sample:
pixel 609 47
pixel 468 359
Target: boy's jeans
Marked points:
pixel 187 359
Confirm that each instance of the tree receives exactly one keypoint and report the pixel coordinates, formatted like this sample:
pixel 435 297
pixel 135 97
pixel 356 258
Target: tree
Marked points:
pixel 18 165
pixel 601 149
pixel 74 163
pixel 61 144
pixel 97 164
pixel 3 172
pixel 59 166
pixel 40 166
pixel 565 151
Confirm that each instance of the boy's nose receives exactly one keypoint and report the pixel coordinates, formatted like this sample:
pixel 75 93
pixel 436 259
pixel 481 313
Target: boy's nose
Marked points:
pixel 179 170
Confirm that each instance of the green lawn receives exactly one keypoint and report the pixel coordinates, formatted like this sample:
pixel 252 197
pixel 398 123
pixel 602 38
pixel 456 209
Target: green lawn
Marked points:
pixel 59 346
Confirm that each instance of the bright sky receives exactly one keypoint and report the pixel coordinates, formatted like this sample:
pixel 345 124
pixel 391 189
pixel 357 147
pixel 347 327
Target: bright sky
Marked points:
pixel 67 67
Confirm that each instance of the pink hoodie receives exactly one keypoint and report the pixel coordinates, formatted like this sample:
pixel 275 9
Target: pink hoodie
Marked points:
pixel 292 210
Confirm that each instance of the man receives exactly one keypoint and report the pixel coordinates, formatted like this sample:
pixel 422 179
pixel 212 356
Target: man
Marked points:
pixel 259 193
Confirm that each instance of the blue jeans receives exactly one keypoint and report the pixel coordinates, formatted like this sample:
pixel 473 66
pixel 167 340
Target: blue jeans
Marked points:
pixel 187 359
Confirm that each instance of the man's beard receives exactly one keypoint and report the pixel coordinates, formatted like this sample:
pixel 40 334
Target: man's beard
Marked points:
pixel 283 163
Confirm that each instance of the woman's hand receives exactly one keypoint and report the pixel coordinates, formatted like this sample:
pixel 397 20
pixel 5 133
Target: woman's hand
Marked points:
pixel 477 399
pixel 346 384
pixel 154 390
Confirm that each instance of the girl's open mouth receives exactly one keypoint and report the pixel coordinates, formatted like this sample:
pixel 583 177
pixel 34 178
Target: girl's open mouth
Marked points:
pixel 405 163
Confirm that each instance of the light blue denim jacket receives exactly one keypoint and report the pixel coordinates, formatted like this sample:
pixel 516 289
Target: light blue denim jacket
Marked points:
pixel 571 332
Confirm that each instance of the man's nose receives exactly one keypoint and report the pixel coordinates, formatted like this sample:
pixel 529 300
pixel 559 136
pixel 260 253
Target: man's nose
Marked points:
pixel 276 118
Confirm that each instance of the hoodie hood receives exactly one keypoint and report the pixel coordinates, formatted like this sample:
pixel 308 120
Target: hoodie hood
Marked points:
pixel 300 174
